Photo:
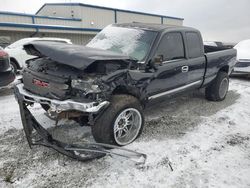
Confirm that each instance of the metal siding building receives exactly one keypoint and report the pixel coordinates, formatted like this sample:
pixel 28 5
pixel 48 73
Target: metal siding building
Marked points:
pixel 76 21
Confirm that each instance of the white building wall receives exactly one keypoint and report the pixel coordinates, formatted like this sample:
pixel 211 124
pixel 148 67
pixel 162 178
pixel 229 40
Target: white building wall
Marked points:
pixel 171 21
pixel 60 11
pixel 16 29
pixel 125 17
pixel 84 17
pixel 80 39
pixel 96 18
pixel 61 31
pixel 15 19
pixel 99 18
pixel 46 21
pixel 13 36
pixel 91 17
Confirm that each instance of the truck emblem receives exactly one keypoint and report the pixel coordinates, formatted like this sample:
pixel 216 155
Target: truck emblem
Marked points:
pixel 40 83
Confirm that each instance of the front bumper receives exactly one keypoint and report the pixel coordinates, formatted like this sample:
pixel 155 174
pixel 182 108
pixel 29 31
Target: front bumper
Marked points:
pixel 36 134
pixel 59 106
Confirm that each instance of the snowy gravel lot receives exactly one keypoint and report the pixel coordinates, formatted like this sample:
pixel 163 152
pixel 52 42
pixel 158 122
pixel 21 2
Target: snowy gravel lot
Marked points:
pixel 207 143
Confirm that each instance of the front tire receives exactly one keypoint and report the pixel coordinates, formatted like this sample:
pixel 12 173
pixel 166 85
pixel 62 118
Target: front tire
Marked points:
pixel 218 89
pixel 121 123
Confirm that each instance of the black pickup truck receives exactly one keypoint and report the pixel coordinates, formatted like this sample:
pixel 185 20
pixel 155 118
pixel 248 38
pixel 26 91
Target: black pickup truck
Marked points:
pixel 108 82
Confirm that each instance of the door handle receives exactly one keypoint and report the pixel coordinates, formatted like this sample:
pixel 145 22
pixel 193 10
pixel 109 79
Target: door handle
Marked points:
pixel 184 69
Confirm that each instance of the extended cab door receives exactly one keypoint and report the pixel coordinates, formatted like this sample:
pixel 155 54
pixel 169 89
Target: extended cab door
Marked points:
pixel 196 60
pixel 172 73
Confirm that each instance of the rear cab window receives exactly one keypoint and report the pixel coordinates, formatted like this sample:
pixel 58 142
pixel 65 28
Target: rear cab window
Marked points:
pixel 171 47
pixel 194 45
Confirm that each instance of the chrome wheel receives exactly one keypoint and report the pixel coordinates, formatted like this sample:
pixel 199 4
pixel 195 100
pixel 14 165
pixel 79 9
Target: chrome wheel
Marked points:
pixel 223 88
pixel 127 126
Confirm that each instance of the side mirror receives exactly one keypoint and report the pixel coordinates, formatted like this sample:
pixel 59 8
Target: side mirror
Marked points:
pixel 158 60
pixel 155 62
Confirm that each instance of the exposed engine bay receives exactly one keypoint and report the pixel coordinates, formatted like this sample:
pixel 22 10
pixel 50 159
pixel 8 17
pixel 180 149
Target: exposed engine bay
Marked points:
pixel 92 81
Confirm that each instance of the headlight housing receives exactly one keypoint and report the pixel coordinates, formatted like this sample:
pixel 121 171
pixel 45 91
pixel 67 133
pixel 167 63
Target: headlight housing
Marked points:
pixel 87 85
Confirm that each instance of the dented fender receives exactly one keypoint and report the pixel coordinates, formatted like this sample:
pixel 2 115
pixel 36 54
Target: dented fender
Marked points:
pixel 133 82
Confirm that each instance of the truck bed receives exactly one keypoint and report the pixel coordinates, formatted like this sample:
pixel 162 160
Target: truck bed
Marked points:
pixel 217 59
pixel 208 49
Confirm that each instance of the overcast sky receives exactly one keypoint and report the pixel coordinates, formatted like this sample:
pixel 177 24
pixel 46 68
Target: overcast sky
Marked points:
pixel 221 20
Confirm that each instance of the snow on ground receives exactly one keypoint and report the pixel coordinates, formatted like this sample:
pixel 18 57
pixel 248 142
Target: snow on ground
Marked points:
pixel 206 143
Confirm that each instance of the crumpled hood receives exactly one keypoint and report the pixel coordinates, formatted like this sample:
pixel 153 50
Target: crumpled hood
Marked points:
pixel 73 55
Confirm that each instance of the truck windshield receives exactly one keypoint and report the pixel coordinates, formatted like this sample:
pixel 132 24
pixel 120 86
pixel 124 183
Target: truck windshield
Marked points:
pixel 129 41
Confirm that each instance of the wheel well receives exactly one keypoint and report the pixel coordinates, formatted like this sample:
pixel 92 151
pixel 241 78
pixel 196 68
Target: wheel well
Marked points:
pixel 15 61
pixel 224 69
pixel 124 90
pixel 130 91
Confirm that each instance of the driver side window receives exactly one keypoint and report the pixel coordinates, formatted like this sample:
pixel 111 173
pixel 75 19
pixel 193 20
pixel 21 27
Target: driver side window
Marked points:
pixel 171 47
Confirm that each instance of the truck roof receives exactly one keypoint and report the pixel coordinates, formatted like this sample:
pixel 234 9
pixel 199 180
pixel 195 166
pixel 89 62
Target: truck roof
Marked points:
pixel 155 27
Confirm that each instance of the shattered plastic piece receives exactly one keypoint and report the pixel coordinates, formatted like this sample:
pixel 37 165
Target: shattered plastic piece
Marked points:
pixel 138 158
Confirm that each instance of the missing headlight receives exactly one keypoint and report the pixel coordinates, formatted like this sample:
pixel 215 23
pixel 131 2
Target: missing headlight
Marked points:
pixel 87 85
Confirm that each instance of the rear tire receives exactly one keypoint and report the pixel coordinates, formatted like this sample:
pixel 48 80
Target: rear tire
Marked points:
pixel 14 66
pixel 121 123
pixel 218 89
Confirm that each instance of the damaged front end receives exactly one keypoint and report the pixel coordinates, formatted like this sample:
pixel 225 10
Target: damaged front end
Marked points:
pixel 70 81
pixel 36 134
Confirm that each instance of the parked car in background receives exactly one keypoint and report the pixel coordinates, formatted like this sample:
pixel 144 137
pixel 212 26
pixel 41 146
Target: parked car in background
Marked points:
pixel 242 66
pixel 17 54
pixel 6 73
